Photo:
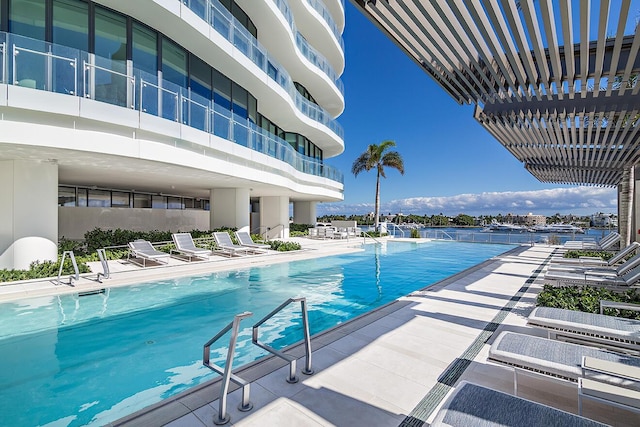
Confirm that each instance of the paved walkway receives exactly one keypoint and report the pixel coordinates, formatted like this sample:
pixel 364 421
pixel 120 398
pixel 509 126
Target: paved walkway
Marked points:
pixel 395 366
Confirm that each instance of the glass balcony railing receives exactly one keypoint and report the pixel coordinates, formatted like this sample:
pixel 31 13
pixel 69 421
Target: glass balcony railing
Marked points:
pixel 223 22
pixel 307 50
pixel 321 8
pixel 53 68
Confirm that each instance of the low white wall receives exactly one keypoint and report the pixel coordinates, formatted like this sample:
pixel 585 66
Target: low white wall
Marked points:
pixel 74 222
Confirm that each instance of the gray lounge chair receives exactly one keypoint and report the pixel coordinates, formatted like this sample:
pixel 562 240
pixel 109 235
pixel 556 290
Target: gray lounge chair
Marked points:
pixel 245 240
pixel 553 359
pixel 141 251
pixel 614 333
pixel 597 261
pixel 630 278
pixel 474 405
pixel 224 242
pixel 186 247
pixel 618 270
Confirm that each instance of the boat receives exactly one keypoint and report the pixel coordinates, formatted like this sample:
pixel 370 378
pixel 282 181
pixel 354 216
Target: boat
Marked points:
pixel 507 227
pixel 557 228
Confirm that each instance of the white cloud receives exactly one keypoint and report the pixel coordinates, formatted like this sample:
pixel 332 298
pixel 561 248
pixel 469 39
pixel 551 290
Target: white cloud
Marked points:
pixel 576 200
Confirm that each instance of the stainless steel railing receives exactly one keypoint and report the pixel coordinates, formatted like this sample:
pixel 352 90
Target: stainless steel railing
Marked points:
pixel 292 378
pixel 75 276
pixel 245 404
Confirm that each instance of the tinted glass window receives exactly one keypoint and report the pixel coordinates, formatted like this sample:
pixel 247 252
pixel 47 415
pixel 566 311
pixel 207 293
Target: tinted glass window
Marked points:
pixel 174 63
pixel 71 24
pixel 27 18
pixel 145 49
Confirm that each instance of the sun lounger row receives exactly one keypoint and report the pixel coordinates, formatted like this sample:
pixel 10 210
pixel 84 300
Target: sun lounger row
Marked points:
pixel 142 251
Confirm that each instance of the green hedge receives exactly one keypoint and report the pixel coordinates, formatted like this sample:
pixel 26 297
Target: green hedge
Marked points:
pixel 278 245
pixel 588 299
pixel 578 253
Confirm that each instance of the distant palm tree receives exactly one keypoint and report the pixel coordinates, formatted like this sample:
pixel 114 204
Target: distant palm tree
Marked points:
pixel 375 157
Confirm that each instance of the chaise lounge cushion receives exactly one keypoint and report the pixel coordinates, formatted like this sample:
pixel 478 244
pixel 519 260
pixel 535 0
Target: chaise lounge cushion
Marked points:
pixel 550 357
pixel 474 405
pixel 610 327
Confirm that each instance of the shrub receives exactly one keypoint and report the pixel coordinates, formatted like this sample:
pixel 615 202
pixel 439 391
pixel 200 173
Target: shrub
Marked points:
pixel 587 299
pixel 578 253
pixel 298 233
pixel 98 238
pixel 373 234
pixel 279 245
pixel 38 270
pixel 300 227
pixel 415 234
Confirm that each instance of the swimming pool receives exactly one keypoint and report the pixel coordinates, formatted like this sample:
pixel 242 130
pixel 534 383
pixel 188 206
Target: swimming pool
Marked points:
pixel 88 360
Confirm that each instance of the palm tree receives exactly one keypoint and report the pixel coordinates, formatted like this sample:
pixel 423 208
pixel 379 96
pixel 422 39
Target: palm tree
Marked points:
pixel 375 157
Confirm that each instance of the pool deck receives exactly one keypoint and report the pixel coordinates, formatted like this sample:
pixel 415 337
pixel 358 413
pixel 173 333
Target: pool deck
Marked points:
pixel 393 366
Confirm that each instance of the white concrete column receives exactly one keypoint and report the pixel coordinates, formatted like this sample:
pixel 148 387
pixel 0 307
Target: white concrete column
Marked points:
pixel 230 208
pixel 28 213
pixel 274 216
pixel 625 207
pixel 304 213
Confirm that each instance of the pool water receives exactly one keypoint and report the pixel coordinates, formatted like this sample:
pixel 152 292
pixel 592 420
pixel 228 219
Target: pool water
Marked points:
pixel 87 360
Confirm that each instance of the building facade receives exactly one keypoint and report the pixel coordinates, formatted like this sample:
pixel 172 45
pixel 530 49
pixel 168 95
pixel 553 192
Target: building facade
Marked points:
pixel 165 114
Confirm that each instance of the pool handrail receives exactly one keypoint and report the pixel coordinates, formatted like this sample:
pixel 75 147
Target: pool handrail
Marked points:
pixel 292 378
pixel 245 404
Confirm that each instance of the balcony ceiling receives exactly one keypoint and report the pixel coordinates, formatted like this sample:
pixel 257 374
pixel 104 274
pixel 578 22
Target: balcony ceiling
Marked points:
pixel 556 83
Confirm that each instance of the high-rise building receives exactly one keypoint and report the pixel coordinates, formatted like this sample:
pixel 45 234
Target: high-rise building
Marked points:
pixel 165 114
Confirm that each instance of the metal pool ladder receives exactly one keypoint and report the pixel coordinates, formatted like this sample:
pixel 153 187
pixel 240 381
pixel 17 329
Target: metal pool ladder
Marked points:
pixel 227 374
pixel 75 276
pixel 292 378
pixel 245 405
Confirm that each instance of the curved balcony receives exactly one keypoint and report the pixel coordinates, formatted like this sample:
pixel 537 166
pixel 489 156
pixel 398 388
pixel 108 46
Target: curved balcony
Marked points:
pixel 54 68
pixel 321 8
pixel 221 20
pixel 316 24
pixel 337 10
pixel 306 49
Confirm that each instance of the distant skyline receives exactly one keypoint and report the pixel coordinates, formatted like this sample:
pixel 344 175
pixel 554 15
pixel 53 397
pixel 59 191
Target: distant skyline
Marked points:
pixel 452 165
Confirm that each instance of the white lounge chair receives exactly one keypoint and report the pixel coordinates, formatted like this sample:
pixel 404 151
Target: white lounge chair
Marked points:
pixel 553 359
pixel 224 242
pixel 474 405
pixel 144 251
pixel 186 247
pixel 611 332
pixel 630 278
pixel 618 270
pixel 606 243
pixel 588 261
pixel 245 240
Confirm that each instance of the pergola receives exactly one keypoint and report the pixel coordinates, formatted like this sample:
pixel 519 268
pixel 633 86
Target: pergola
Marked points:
pixel 555 82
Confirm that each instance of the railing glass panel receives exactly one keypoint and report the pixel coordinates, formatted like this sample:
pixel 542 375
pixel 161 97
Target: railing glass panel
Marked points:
pixel 54 68
pixel 306 49
pixel 320 7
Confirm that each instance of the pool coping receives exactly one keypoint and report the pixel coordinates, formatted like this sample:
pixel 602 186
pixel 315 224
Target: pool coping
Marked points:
pixel 174 407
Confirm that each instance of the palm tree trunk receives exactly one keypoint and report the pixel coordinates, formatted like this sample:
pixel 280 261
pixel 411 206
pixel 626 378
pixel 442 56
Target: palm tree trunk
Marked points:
pixel 377 207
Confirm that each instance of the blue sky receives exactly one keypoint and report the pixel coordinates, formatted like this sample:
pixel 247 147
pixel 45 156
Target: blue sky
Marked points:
pixel 452 165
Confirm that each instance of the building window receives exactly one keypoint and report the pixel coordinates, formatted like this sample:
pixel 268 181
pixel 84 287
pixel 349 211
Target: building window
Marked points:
pixel 71 24
pixel 142 200
pixel 159 202
pixel 174 63
pixel 119 199
pixel 99 199
pixel 66 196
pixel 145 49
pixel 111 57
pixel 27 18
pixel 174 203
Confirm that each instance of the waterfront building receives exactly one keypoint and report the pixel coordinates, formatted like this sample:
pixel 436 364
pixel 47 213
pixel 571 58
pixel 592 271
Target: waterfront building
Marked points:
pixel 165 114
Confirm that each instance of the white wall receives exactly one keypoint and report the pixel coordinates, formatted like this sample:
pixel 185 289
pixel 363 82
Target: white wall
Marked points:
pixel 74 222
pixel 230 207
pixel 28 213
pixel 274 214
pixel 304 213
